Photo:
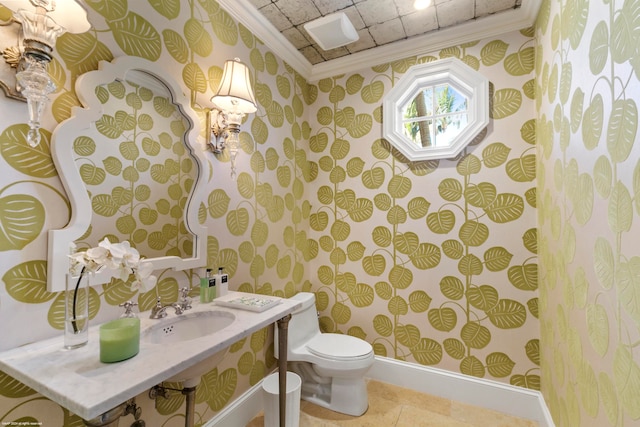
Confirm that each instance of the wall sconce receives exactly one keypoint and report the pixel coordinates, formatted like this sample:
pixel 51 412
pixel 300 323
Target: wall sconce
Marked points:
pixel 232 101
pixel 42 21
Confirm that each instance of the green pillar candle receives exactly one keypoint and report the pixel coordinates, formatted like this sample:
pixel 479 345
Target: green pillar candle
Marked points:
pixel 119 339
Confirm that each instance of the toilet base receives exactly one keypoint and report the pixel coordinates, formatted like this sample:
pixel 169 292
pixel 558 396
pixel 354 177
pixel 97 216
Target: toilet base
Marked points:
pixel 344 395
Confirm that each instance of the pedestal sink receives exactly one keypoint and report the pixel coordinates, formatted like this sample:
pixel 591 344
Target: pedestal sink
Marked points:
pixel 176 329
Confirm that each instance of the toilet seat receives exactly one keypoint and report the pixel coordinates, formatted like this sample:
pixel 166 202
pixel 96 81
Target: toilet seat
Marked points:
pixel 339 347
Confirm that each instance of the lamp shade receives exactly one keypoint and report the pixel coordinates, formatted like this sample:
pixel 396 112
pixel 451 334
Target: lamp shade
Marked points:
pixel 235 92
pixel 69 14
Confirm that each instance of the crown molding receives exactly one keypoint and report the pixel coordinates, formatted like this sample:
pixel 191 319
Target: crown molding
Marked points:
pixel 488 26
pixel 245 13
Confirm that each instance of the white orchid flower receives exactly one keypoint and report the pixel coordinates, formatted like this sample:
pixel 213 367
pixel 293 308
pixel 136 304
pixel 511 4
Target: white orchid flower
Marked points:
pixel 144 284
pixel 124 273
pixel 114 253
pixel 96 257
pixel 144 270
pixel 78 262
pixel 116 256
pixel 144 280
pixel 131 256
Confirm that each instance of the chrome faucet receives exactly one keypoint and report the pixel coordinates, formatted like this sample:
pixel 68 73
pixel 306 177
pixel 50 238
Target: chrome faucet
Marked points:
pixel 159 311
pixel 185 301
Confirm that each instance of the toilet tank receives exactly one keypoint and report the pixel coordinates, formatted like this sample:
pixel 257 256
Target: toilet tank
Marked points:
pixel 303 324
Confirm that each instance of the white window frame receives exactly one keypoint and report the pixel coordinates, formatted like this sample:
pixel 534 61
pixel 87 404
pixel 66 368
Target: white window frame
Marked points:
pixel 464 79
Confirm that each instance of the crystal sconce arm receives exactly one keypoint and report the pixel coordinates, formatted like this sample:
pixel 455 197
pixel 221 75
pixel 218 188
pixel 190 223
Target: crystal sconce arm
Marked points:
pixel 42 21
pixel 232 101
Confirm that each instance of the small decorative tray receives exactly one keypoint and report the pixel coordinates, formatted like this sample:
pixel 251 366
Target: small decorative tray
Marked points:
pixel 251 303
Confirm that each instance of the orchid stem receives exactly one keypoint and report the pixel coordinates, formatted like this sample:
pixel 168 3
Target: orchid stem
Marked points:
pixel 74 323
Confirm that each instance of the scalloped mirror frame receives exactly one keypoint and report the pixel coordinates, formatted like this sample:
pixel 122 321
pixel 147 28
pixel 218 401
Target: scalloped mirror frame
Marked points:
pixel 469 82
pixel 62 140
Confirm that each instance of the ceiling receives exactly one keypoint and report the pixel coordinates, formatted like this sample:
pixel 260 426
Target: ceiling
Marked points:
pixel 389 29
pixel 377 22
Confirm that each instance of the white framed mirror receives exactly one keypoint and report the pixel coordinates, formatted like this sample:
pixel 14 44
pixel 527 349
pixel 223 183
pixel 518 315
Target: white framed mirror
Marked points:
pixel 435 109
pixel 132 165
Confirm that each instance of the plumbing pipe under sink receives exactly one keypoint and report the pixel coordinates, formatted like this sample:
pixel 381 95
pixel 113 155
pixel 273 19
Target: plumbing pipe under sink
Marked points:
pixel 111 417
pixel 188 392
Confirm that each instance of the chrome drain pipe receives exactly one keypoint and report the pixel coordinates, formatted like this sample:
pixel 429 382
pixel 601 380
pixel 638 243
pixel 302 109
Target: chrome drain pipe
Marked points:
pixel 111 417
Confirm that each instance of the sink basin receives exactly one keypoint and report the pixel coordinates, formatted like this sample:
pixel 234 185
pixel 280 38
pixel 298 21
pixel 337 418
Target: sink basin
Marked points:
pixel 187 327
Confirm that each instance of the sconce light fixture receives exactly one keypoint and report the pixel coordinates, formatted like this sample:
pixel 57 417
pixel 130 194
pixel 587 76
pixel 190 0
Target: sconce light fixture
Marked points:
pixel 232 101
pixel 42 21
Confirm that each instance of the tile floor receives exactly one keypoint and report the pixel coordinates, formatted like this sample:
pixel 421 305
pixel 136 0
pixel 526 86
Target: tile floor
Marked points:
pixel 395 406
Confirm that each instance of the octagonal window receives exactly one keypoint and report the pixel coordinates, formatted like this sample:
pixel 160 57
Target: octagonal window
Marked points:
pixel 436 109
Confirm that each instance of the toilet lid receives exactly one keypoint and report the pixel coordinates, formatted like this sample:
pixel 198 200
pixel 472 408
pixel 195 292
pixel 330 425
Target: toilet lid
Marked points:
pixel 338 346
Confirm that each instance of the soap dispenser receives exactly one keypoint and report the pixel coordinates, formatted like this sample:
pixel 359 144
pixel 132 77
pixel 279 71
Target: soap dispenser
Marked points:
pixel 204 286
pixel 212 286
pixel 223 282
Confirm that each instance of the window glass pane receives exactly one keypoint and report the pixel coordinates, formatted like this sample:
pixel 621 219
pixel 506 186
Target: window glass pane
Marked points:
pixel 448 127
pixel 420 132
pixel 420 106
pixel 449 100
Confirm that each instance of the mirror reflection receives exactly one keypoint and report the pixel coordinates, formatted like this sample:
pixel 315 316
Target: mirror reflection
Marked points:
pixel 136 168
pixel 435 116
pixel 131 162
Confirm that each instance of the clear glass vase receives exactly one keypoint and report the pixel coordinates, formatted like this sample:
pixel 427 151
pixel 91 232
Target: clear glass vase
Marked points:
pixel 76 311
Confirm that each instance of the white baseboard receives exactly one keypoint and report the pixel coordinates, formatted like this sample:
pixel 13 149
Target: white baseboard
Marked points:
pixel 505 398
pixel 241 411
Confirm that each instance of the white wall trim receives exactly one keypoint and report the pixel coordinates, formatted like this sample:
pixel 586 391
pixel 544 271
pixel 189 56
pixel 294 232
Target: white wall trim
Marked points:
pixel 505 398
pixel 241 411
pixel 485 27
pixel 488 26
pixel 248 15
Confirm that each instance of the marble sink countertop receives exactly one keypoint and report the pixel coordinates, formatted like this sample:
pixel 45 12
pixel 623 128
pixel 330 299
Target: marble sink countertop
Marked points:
pixel 78 381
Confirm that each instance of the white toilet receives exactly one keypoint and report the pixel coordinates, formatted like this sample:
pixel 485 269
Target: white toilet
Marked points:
pixel 332 366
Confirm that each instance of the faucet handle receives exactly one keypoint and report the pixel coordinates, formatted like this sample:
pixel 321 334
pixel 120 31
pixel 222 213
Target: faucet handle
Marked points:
pixel 185 301
pixel 128 305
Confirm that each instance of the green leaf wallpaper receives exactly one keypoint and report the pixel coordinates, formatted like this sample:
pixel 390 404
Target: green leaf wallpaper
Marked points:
pixel 431 262
pixel 137 170
pixel 587 121
pixel 413 258
pixel 142 133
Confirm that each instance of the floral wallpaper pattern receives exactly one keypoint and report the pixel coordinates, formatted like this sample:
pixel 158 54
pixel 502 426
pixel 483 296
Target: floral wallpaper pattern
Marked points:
pixel 587 85
pixel 179 38
pixel 431 262
pixel 137 170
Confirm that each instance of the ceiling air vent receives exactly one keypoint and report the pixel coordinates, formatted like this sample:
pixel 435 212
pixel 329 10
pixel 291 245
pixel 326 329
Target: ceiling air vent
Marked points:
pixel 332 31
